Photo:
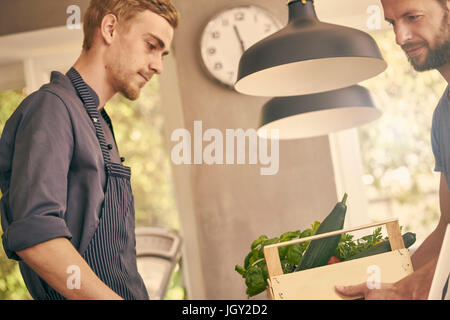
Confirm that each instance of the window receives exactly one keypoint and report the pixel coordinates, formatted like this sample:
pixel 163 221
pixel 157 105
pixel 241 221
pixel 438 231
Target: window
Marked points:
pixel 396 152
pixel 12 286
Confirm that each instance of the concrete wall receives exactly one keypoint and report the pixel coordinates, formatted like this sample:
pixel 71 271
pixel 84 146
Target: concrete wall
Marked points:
pixel 223 208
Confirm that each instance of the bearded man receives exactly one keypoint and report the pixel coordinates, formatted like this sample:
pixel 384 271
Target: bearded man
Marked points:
pixel 422 30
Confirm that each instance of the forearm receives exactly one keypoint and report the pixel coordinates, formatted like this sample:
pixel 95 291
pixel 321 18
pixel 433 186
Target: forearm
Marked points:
pixel 417 285
pixel 51 260
pixel 430 248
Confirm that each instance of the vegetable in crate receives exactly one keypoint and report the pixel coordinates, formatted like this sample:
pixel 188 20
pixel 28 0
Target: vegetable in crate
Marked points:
pixel 408 239
pixel 255 281
pixel 320 251
pixel 333 260
pixel 255 271
pixel 348 247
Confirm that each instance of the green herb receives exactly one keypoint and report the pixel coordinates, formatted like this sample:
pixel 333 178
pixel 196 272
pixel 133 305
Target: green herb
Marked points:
pixel 255 270
pixel 255 281
pixel 347 247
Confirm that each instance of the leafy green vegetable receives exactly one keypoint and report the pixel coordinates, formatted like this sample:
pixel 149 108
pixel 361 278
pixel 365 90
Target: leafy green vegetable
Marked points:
pixel 258 241
pixel 255 270
pixel 255 281
pixel 240 270
pixel 294 253
pixel 347 247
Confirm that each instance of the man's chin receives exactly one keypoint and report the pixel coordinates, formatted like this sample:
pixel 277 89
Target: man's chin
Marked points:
pixel 131 94
pixel 420 65
pixel 418 62
pixel 429 61
pixel 426 66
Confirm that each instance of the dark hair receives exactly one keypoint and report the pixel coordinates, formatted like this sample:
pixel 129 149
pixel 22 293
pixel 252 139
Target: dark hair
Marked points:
pixel 443 3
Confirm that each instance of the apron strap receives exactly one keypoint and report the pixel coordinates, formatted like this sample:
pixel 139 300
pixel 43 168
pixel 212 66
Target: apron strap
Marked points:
pixel 91 109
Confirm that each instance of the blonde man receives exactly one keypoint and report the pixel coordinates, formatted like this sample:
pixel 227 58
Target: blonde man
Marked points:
pixel 67 208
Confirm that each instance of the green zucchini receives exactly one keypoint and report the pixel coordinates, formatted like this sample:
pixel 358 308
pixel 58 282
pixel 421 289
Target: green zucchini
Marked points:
pixel 320 251
pixel 408 239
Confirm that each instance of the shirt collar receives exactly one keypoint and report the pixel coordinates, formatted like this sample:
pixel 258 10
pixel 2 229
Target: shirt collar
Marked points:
pixel 91 91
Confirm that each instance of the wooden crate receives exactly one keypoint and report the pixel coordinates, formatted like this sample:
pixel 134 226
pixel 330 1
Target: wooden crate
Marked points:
pixel 318 283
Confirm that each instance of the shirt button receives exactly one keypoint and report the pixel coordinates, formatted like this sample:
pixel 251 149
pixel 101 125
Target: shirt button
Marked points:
pixel 122 159
pixel 110 146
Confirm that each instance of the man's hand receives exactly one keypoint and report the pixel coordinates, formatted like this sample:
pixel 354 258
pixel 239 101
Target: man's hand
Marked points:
pixel 387 291
pixel 416 286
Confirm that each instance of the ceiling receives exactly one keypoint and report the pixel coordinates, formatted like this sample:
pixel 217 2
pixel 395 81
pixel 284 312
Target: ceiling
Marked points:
pixel 15 47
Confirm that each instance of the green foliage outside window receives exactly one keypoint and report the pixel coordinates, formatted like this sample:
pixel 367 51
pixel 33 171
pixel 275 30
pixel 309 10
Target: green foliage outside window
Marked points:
pixel 12 286
pixel 396 152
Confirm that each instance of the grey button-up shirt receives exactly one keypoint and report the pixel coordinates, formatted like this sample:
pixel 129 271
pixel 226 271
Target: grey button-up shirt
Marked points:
pixel 52 173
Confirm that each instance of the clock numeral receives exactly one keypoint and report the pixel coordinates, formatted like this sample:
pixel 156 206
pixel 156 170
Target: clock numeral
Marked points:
pixel 256 18
pixel 230 75
pixel 267 27
pixel 211 51
pixel 225 22
pixel 239 16
pixel 216 35
pixel 218 66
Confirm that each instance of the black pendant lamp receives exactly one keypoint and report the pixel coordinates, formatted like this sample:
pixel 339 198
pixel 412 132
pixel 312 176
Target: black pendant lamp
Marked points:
pixel 318 114
pixel 308 56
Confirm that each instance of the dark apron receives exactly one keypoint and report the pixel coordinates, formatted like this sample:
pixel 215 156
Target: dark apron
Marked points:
pixel 111 253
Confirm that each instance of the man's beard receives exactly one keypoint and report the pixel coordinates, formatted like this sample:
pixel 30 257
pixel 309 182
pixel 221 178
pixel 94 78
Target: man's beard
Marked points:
pixel 124 87
pixel 128 91
pixel 438 56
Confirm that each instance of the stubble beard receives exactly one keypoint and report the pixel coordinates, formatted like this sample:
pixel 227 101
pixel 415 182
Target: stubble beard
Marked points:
pixel 125 87
pixel 123 81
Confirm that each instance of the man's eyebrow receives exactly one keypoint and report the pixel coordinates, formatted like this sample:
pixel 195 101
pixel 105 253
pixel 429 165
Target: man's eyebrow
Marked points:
pixel 161 43
pixel 410 12
pixel 407 13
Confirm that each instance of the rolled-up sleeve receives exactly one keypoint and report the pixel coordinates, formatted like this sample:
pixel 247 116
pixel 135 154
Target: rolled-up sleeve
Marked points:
pixel 43 145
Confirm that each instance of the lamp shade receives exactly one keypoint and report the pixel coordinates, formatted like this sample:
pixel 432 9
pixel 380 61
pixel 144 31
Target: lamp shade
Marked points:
pixel 308 56
pixel 318 114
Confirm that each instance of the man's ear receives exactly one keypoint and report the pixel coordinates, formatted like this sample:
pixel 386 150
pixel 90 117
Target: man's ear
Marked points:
pixel 108 28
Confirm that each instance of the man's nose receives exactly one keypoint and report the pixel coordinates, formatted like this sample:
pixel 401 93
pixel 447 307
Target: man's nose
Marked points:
pixel 156 65
pixel 402 34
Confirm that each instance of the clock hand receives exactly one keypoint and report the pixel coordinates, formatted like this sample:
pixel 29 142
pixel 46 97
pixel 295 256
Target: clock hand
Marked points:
pixel 239 38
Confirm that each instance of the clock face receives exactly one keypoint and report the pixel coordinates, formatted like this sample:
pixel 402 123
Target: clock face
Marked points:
pixel 229 34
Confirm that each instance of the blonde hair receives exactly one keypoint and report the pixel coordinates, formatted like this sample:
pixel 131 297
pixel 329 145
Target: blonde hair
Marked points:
pixel 124 10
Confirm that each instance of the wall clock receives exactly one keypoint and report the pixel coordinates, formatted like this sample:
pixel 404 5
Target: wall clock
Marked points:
pixel 228 34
